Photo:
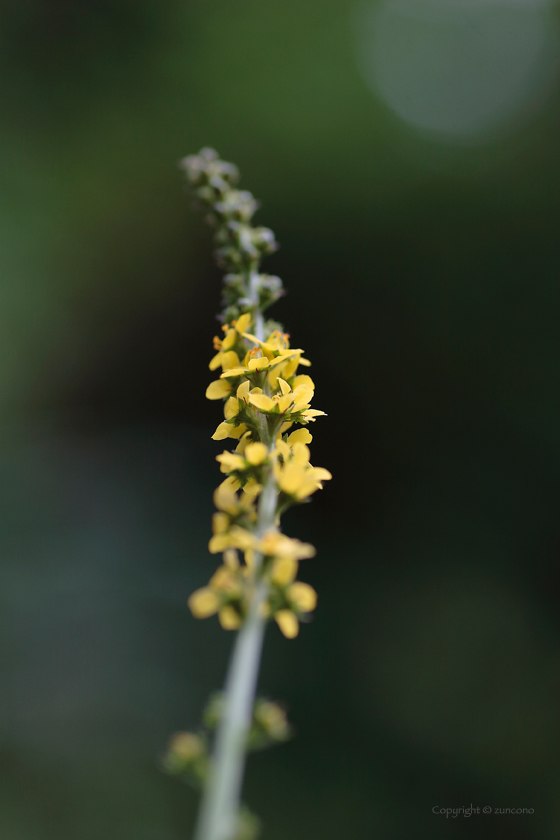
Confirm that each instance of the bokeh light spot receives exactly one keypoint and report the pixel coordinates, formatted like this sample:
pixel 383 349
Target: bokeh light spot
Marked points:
pixel 459 67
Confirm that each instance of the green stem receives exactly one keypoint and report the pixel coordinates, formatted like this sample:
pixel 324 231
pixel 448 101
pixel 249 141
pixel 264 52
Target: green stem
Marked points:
pixel 219 813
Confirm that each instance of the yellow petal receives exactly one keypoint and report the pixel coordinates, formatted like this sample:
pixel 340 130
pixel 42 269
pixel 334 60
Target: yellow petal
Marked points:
pixel 285 388
pixel 302 596
pixel 285 402
pixel 287 547
pixel 307 488
pixel 256 453
pixel 243 322
pixel 203 603
pixel 252 488
pixel 283 449
pixel 219 543
pixel 284 570
pixel 321 474
pixel 273 375
pixel 220 523
pixel 216 361
pixel 218 389
pixel 241 538
pixel 299 436
pixel 225 497
pixel 305 362
pixel 237 431
pixel 250 337
pixel 301 454
pixel 223 431
pixel 303 393
pixel 238 371
pixel 230 360
pixel 231 408
pixel 222 579
pixel 291 478
pixel 269 542
pixel 288 623
pixel 243 390
pixel 229 618
pixel 311 413
pixel 229 340
pixel 278 360
pixel 260 363
pixel 290 368
pixel 243 443
pixel 231 461
pixel 303 379
pixel 261 401
pixel 285 426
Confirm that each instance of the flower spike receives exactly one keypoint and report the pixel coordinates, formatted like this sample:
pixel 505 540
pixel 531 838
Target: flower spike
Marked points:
pixel 256 378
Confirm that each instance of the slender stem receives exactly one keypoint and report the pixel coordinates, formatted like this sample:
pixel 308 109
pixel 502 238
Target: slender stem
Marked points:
pixel 219 814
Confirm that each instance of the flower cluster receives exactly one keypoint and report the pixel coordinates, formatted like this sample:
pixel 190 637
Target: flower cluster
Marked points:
pixel 264 395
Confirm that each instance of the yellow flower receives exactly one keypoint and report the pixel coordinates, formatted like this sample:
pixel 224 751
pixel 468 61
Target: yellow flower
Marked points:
pixel 236 537
pixel 302 596
pixel 292 365
pixel 242 323
pixel 254 364
pixel 296 477
pixel 229 360
pixel 311 414
pixel 223 588
pixel 288 623
pixel 218 389
pixel 225 497
pixel 204 602
pixel 299 436
pixel 303 379
pixel 255 453
pixel 223 346
pixel 284 571
pixel 274 544
pixel 252 488
pixel 231 408
pixel 220 523
pixel 243 390
pixel 223 357
pixel 230 461
pixel 262 402
pixel 228 430
pixel 278 340
pixel 229 618
pixel 244 442
pixel 224 580
pixel 288 400
pixel 278 344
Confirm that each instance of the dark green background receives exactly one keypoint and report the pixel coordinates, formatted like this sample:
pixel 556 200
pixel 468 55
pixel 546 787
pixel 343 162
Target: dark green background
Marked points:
pixel 423 282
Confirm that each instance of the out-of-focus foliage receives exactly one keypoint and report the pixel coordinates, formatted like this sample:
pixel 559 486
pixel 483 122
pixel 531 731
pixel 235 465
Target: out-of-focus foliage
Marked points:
pixel 422 275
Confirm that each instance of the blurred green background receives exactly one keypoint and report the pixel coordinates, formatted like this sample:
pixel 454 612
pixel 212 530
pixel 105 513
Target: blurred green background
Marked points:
pixel 408 163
